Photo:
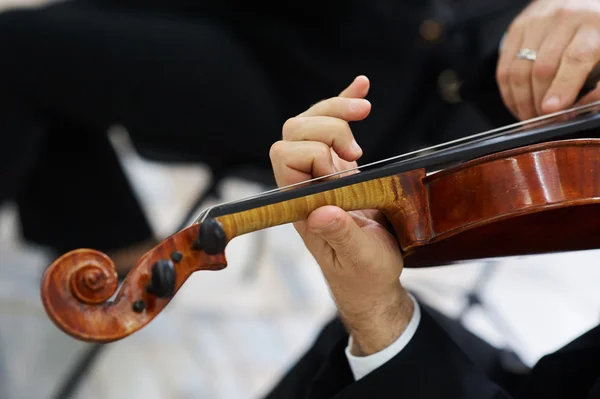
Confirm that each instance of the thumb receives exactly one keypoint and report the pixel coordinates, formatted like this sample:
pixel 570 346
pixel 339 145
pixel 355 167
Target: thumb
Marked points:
pixel 338 229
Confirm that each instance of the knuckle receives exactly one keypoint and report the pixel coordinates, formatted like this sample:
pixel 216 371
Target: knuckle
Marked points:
pixel 324 106
pixel 563 12
pixel 577 54
pixel 289 127
pixel 276 150
pixel 342 130
pixel 323 151
pixel 321 159
pixel 544 70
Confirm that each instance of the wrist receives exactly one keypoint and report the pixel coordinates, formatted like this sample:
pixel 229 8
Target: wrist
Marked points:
pixel 381 324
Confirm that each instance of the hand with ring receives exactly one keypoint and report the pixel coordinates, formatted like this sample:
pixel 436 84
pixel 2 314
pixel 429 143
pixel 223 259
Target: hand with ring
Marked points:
pixel 547 55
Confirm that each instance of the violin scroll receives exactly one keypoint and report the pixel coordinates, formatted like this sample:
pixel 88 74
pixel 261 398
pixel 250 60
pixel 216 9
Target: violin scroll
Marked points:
pixel 77 288
pixel 94 279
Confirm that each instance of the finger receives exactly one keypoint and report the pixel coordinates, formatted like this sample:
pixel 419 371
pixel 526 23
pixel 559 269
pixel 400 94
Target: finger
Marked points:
pixel 336 227
pixel 348 109
pixel 521 79
pixel 334 132
pixel 578 60
pixel 298 161
pixel 548 60
pixel 357 89
pixel 521 71
pixel 510 47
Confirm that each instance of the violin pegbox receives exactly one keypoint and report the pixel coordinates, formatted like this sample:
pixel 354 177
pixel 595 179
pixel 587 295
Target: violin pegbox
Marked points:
pixel 76 288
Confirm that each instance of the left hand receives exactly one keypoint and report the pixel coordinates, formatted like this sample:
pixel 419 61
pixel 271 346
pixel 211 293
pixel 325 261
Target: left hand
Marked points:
pixel 565 34
pixel 359 257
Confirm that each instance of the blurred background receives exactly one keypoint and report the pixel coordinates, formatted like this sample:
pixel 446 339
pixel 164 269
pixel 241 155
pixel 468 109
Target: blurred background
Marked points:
pixel 232 334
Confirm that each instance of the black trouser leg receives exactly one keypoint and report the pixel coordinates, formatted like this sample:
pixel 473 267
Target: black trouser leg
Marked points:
pixel 179 87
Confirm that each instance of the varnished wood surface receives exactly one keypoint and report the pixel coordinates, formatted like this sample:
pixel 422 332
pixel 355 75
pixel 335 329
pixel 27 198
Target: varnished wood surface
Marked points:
pixel 75 288
pixel 539 200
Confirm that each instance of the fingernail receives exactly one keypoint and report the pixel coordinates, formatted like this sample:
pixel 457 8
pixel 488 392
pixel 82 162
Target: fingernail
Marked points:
pixel 355 147
pixel 552 102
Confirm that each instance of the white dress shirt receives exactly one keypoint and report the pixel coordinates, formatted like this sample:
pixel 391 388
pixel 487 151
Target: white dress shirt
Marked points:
pixel 363 365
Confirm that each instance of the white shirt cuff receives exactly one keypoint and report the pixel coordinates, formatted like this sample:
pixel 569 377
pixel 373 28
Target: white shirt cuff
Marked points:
pixel 361 366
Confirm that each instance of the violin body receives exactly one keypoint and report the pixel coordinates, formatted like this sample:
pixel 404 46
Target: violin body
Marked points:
pixel 538 199
pixel 535 199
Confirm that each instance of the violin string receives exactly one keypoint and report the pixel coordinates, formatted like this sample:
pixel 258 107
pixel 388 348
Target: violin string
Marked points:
pixel 508 129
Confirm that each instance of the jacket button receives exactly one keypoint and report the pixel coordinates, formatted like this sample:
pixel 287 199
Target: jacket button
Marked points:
pixel 449 86
pixel 431 30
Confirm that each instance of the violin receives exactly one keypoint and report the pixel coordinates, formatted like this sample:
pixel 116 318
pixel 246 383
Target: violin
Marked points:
pixel 527 188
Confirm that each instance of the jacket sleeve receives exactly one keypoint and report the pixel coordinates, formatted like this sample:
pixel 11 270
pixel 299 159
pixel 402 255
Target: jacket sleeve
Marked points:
pixel 363 365
pixel 431 366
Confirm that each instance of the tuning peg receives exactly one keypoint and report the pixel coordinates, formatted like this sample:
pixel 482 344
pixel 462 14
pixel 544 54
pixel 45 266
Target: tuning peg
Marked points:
pixel 211 237
pixel 162 282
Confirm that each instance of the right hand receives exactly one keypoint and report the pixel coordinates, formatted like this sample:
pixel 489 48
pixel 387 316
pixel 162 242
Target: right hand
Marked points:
pixel 358 256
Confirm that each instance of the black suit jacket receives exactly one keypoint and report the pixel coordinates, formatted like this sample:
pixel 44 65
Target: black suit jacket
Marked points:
pixel 433 366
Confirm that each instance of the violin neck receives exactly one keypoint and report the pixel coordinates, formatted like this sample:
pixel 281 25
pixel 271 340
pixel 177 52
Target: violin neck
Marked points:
pixel 364 195
pixel 396 194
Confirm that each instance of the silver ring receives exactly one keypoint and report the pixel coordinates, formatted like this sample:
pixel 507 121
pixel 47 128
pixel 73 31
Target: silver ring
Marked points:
pixel 526 54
